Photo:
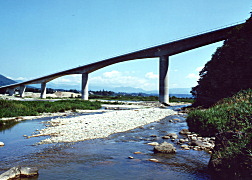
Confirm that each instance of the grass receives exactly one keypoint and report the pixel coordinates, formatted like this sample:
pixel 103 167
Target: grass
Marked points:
pixel 229 116
pixel 31 108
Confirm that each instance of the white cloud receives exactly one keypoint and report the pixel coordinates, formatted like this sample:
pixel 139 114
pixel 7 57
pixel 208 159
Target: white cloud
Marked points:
pixel 151 75
pixel 18 78
pixel 111 74
pixel 68 80
pixel 114 79
pixel 198 69
pixel 192 76
pixel 124 79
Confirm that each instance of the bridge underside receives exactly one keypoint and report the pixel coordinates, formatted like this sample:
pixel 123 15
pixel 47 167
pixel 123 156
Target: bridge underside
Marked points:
pixel 161 51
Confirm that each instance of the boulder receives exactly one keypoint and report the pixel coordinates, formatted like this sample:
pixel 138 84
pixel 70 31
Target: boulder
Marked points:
pixel 165 147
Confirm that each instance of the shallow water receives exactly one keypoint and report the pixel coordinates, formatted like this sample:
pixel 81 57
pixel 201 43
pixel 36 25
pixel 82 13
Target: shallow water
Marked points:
pixel 103 158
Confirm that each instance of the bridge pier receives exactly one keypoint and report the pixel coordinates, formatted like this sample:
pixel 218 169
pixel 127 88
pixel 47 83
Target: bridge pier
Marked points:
pixel 22 90
pixel 163 79
pixel 11 91
pixel 43 90
pixel 84 86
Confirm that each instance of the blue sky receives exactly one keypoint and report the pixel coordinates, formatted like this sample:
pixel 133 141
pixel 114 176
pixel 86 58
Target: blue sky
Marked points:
pixel 41 37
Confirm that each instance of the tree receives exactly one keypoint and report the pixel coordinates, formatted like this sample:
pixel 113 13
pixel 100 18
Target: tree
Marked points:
pixel 229 70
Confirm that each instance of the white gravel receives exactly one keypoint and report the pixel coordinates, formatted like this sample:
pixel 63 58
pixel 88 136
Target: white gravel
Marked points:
pixel 100 125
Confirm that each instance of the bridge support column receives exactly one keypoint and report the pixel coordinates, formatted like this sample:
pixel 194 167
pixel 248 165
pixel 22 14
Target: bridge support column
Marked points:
pixel 22 90
pixel 163 79
pixel 84 86
pixel 11 91
pixel 43 90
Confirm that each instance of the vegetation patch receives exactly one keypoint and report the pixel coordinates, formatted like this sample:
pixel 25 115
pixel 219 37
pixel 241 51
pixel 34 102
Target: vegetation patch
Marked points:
pixel 230 120
pixel 31 108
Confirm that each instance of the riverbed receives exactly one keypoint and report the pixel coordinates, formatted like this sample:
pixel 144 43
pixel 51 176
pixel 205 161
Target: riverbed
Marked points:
pixel 104 158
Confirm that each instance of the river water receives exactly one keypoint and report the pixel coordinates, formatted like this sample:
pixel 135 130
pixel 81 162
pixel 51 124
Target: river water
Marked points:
pixel 105 158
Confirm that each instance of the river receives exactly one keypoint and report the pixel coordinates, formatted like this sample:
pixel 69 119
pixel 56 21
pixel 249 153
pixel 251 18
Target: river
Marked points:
pixel 105 158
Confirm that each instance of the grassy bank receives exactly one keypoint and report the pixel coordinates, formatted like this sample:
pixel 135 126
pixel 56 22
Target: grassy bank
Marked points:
pixel 32 108
pixel 231 118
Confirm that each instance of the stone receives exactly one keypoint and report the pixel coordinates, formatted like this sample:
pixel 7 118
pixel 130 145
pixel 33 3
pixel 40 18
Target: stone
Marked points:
pixel 196 143
pixel 172 135
pixel 194 138
pixel 153 160
pixel 131 157
pixel 153 143
pixel 10 174
pixel 28 171
pixel 181 140
pixel 153 135
pixel 165 147
pixel 17 172
pixel 1 144
pixel 184 131
pixel 166 137
pixel 138 152
pixel 184 146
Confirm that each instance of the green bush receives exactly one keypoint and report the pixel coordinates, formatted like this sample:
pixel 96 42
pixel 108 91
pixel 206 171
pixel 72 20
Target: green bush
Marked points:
pixel 231 114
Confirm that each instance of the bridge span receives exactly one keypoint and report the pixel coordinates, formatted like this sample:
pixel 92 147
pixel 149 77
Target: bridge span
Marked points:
pixel 162 52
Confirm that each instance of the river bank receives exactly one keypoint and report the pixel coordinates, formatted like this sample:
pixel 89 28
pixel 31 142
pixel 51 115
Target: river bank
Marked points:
pixel 106 158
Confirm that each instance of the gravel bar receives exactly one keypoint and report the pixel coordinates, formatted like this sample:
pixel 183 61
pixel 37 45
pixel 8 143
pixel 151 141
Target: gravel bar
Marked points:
pixel 100 125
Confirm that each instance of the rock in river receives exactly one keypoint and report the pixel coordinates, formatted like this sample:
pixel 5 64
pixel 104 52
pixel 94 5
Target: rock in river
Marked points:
pixel 1 143
pixel 165 147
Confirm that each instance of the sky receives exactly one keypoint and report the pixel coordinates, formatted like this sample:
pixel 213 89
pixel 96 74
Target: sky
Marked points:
pixel 41 37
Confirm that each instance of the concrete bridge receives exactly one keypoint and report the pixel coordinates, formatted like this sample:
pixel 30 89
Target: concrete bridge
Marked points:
pixel 161 51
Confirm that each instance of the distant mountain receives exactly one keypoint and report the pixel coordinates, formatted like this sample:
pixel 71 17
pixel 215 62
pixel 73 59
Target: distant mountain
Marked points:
pixel 6 81
pixel 119 89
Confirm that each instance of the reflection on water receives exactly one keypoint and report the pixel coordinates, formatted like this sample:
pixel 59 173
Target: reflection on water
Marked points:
pixel 104 158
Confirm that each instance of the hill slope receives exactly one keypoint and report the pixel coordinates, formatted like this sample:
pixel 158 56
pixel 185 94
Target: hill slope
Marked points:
pixel 5 81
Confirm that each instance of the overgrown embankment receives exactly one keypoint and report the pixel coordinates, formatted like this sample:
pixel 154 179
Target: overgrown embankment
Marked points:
pixel 230 120
pixel 32 108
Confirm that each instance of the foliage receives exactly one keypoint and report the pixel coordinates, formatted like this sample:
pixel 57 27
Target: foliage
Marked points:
pixel 30 108
pixel 229 116
pixel 229 69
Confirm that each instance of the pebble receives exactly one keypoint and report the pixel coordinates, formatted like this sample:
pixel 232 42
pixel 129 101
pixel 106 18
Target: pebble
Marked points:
pixel 166 137
pixel 153 143
pixel 138 152
pixel 153 160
